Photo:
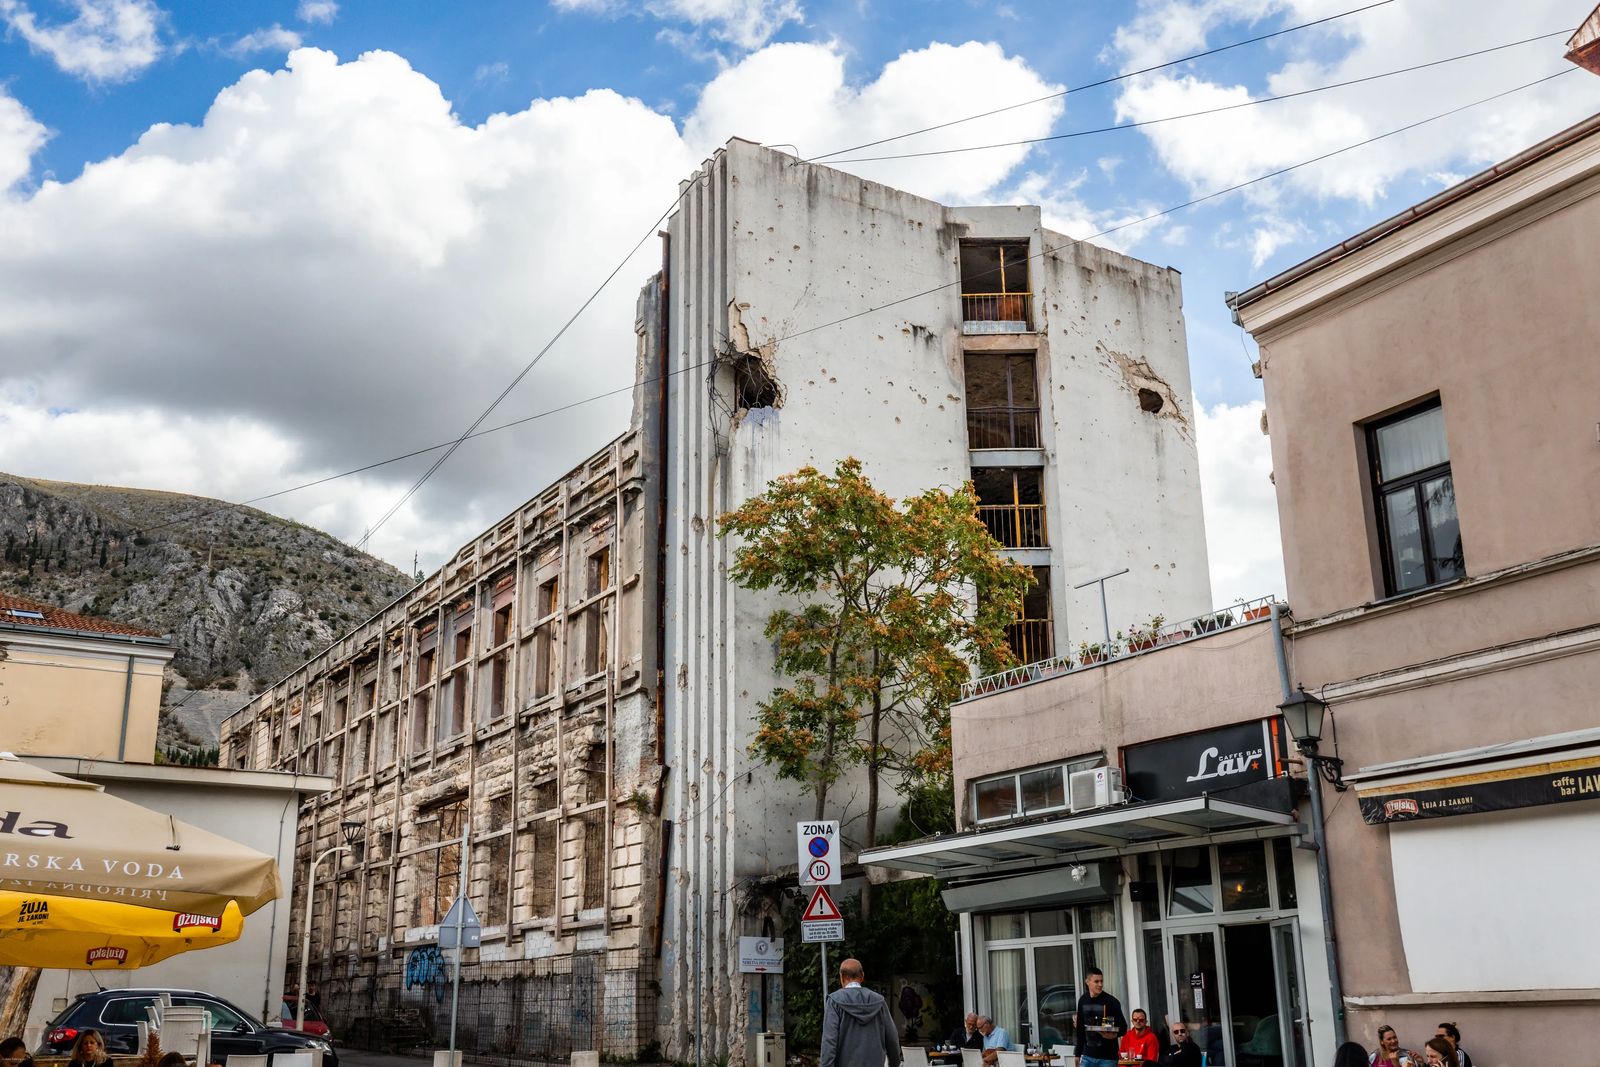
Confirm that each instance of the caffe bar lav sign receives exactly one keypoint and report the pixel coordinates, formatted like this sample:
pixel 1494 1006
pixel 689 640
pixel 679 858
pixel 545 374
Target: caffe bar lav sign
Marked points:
pixel 1557 782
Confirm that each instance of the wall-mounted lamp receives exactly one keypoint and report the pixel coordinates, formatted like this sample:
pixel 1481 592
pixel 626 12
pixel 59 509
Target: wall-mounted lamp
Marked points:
pixel 1303 714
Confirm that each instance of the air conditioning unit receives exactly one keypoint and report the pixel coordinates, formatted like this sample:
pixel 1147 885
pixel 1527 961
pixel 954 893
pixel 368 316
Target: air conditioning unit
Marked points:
pixel 1099 788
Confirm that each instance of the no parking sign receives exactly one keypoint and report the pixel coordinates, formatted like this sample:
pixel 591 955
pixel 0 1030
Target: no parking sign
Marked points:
pixel 818 851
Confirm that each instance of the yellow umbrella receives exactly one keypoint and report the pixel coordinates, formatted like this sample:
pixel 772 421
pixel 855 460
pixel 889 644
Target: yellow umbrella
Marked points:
pixel 79 934
pixel 61 837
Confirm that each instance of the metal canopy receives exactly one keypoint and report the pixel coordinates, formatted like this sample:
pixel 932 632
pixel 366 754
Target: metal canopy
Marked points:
pixel 1112 832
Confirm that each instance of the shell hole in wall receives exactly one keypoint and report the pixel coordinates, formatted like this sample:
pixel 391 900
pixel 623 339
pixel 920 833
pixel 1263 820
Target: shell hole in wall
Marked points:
pixel 753 386
pixel 1151 401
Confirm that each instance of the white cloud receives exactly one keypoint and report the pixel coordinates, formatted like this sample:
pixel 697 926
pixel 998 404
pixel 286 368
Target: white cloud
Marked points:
pixel 323 11
pixel 1241 504
pixel 108 41
pixel 748 24
pixel 1221 150
pixel 274 38
pixel 20 137
pixel 797 94
pixel 331 268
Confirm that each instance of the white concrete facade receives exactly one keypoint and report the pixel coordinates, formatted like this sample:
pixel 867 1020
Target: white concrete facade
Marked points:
pixel 254 808
pixel 810 271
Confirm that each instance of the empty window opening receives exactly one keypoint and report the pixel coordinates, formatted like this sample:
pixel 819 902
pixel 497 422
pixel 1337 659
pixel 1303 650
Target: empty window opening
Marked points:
pixel 995 293
pixel 1011 505
pixel 1031 637
pixel 1151 401
pixel 1002 400
pixel 753 386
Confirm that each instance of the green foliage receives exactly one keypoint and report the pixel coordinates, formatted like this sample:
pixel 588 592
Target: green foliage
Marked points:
pixel 894 603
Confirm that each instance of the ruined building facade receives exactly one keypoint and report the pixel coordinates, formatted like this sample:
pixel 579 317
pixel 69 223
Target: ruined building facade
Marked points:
pixel 507 700
pixel 591 722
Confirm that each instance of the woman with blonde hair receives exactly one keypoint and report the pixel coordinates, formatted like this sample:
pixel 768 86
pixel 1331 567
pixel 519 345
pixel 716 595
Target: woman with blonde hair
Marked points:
pixel 88 1051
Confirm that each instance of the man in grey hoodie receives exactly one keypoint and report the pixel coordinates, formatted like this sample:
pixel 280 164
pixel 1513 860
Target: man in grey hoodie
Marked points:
pixel 857 1030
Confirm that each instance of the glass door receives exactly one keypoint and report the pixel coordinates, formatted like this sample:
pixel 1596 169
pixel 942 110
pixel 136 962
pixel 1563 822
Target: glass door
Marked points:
pixel 1199 996
pixel 1291 994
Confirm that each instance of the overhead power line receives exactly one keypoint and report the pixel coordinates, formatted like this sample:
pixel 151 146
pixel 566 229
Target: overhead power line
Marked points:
pixel 1103 81
pixel 1188 203
pixel 450 450
pixel 1207 111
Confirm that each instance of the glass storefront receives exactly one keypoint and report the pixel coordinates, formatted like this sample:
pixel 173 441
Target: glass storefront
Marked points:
pixel 1220 947
pixel 1031 963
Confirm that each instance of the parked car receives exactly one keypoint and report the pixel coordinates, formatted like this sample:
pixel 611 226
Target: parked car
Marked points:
pixel 116 1013
pixel 315 1025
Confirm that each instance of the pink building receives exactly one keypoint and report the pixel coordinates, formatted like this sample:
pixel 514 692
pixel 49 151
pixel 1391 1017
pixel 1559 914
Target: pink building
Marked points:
pixel 1433 399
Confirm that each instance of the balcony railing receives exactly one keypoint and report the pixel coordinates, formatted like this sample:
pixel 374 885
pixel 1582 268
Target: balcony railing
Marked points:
pixel 1030 639
pixel 1015 525
pixel 1002 428
pixel 997 312
pixel 1095 653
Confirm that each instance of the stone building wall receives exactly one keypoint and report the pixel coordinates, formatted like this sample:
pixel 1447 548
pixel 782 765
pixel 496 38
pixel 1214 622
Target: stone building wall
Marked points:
pixel 508 700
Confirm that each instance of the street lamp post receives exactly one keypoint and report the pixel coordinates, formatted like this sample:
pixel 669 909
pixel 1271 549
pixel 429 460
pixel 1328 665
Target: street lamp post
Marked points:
pixel 1302 714
pixel 352 836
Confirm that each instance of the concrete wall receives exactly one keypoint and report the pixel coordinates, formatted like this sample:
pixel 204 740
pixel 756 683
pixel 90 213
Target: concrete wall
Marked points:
pixel 70 694
pixel 762 253
pixel 251 807
pixel 1487 303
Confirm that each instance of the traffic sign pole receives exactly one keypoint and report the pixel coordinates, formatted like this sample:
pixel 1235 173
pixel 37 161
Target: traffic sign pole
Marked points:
pixel 824 980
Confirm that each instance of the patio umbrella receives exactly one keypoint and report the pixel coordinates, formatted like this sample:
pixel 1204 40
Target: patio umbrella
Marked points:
pixel 61 837
pixel 79 934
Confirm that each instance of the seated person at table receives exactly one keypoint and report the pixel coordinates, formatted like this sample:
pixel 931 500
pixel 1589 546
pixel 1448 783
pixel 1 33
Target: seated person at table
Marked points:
pixel 995 1039
pixel 967 1035
pixel 1184 1052
pixel 1140 1040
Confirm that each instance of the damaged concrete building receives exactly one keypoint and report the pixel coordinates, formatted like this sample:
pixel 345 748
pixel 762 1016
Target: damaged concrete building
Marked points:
pixel 577 686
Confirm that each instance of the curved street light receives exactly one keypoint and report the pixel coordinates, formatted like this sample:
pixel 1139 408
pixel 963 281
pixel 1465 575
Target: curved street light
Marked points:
pixel 352 835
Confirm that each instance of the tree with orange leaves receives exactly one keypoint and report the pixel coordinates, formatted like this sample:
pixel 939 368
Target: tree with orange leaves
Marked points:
pixel 891 605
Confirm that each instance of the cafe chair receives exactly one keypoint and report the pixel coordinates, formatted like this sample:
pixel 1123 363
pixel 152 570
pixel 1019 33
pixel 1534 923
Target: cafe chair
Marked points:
pixel 913 1057
pixel 247 1061
pixel 971 1057
pixel 1062 1053
pixel 1007 1058
pixel 290 1059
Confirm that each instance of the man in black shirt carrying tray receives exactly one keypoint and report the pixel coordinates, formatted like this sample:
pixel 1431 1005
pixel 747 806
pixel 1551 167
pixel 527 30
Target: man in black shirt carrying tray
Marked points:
pixel 1100 1023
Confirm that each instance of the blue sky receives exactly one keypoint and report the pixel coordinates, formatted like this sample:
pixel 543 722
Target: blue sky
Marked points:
pixel 257 239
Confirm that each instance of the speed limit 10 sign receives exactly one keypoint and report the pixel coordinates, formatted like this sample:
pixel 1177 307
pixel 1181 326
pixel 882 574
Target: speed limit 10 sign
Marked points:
pixel 818 851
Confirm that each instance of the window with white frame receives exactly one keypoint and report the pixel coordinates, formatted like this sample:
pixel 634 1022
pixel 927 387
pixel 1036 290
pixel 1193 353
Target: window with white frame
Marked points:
pixel 1035 791
pixel 1031 966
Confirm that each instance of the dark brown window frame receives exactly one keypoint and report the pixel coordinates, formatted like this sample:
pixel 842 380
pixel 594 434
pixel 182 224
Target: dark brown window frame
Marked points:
pixel 1414 481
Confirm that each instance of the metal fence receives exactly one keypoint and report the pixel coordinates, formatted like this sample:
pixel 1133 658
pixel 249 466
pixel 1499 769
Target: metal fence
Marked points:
pixel 520 1010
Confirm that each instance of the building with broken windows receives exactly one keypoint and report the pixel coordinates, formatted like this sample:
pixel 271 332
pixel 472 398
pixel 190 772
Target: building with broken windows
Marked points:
pixel 572 695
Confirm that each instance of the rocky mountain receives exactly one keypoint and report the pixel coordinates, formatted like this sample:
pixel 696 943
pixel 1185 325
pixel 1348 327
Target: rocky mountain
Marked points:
pixel 246 596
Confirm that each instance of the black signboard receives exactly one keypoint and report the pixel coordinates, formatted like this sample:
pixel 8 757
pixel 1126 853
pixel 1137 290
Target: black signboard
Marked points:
pixel 1556 782
pixel 1205 762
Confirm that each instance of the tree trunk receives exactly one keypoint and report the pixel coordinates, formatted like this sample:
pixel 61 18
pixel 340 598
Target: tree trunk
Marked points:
pixel 17 985
pixel 874 773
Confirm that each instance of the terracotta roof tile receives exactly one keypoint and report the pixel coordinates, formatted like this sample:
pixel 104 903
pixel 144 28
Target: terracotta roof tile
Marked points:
pixel 21 611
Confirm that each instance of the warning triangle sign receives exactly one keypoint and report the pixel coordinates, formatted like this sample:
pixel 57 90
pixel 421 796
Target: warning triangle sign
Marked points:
pixel 821 908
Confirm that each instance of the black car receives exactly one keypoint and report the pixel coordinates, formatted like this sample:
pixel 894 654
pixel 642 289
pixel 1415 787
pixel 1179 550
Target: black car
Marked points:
pixel 116 1013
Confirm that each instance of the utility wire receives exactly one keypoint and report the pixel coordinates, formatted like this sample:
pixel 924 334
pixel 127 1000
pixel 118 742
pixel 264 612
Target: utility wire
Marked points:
pixel 834 322
pixel 366 538
pixel 1208 111
pixel 1186 204
pixel 1103 81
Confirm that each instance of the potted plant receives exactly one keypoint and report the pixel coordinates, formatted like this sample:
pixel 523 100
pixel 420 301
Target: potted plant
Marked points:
pixel 1210 624
pixel 1143 635
pixel 1256 611
pixel 1092 652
